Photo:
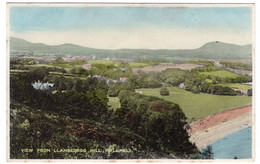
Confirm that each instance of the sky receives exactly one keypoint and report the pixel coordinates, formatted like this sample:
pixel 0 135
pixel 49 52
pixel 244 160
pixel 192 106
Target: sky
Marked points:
pixel 115 27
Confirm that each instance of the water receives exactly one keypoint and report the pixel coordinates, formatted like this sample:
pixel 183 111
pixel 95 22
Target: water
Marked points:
pixel 238 144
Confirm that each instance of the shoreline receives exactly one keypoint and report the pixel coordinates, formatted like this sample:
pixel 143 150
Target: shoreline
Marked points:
pixel 212 128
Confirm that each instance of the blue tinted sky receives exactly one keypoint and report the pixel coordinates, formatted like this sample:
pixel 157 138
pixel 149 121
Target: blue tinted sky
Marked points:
pixel 71 18
pixel 24 20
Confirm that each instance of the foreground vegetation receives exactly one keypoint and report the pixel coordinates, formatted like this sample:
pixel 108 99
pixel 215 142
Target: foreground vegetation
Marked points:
pixel 94 111
pixel 79 118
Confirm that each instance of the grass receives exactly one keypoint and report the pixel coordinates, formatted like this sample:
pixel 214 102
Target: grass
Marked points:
pixel 43 65
pixel 56 73
pixel 138 65
pixel 116 63
pixel 209 80
pixel 235 86
pixel 113 103
pixel 197 106
pixel 221 73
pixel 69 65
pixel 66 66
pixel 18 71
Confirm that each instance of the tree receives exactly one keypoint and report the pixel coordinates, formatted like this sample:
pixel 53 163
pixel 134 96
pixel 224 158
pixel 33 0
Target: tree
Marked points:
pixel 78 86
pixel 59 60
pixel 62 86
pixel 62 70
pixel 164 91
pixel 195 89
pixel 113 91
pixel 249 92
pixel 123 65
pixel 207 153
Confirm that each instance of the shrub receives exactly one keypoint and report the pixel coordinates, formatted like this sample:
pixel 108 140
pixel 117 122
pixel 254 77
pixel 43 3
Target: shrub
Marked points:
pixel 249 92
pixel 164 91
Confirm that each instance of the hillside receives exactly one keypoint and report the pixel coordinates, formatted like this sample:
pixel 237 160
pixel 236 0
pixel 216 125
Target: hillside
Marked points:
pixel 211 50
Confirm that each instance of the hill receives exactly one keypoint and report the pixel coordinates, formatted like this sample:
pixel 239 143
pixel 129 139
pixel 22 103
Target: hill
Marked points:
pixel 211 50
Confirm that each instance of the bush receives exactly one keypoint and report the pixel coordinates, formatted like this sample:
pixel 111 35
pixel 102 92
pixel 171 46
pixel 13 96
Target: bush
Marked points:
pixel 113 91
pixel 207 153
pixel 249 92
pixel 164 91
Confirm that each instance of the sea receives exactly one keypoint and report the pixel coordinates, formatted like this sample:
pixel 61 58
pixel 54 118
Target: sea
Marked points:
pixel 238 144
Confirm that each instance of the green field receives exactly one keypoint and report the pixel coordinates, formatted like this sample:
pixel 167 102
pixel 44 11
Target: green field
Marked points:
pixel 76 63
pixel 197 106
pixel 113 103
pixel 235 85
pixel 66 66
pixel 137 65
pixel 221 73
pixel 69 65
pixel 43 65
pixel 17 71
pixel 116 63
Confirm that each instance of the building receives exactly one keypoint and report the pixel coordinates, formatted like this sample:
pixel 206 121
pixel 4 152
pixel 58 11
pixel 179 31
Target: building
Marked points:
pixel 123 79
pixel 86 66
pixel 102 78
pixel 33 62
pixel 140 92
pixel 182 86
pixel 217 63
pixel 42 86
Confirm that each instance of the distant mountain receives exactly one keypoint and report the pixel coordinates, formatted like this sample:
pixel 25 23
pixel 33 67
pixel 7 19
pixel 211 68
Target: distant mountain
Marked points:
pixel 212 50
pixel 224 50
pixel 17 44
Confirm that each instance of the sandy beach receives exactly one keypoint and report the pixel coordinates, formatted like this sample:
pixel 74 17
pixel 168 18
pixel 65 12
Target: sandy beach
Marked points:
pixel 210 129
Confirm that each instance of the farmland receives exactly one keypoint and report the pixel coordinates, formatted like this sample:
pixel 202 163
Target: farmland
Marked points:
pixel 235 85
pixel 197 106
pixel 244 61
pixel 117 63
pixel 240 71
pixel 221 73
pixel 67 67
pixel 164 66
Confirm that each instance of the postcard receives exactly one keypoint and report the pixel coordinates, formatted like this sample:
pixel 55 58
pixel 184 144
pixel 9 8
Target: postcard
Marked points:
pixel 147 82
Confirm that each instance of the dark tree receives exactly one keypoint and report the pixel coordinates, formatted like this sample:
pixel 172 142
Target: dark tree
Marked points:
pixel 207 153
pixel 113 91
pixel 249 92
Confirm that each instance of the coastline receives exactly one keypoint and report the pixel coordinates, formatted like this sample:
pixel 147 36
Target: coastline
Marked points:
pixel 212 128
